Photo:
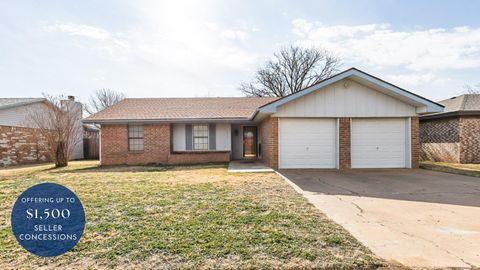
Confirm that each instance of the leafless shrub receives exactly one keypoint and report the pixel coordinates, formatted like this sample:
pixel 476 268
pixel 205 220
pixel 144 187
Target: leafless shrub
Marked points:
pixel 102 99
pixel 59 123
pixel 469 89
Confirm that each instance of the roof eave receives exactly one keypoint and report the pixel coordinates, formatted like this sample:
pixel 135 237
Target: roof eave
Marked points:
pixel 167 120
pixel 23 103
pixel 450 114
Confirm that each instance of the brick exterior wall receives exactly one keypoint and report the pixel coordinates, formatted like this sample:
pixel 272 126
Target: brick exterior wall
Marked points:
pixel 344 143
pixel 455 139
pixel 156 149
pixel 19 145
pixel 415 142
pixel 440 140
pixel 197 158
pixel 469 139
pixel 269 138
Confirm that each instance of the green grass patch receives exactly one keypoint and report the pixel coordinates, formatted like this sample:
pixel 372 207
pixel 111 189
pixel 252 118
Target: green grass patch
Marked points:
pixel 184 217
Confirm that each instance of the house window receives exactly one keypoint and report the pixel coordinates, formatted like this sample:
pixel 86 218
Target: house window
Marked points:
pixel 200 137
pixel 135 137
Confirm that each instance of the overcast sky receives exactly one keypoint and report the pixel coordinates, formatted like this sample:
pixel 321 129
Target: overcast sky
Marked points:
pixel 207 48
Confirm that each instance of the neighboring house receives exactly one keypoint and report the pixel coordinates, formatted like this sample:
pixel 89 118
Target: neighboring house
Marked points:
pixel 351 120
pixel 20 142
pixel 453 135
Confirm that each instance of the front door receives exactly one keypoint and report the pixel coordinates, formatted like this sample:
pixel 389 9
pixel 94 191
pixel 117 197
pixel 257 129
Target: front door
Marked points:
pixel 249 142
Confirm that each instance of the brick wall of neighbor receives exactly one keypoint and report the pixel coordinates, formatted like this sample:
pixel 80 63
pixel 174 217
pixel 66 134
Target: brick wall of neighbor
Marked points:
pixel 415 143
pixel 344 143
pixel 440 140
pixel 469 139
pixel 269 136
pixel 20 145
pixel 157 148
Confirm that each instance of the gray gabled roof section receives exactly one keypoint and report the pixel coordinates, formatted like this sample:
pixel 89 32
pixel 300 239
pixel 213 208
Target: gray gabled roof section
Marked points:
pixel 423 105
pixel 464 105
pixel 6 103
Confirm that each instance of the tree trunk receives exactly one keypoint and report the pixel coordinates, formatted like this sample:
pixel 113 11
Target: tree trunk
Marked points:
pixel 61 159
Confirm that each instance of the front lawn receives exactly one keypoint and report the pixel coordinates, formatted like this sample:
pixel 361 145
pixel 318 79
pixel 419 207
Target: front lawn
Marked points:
pixel 183 217
pixel 457 168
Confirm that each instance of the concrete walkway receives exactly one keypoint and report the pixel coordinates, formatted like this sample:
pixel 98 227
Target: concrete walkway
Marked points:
pixel 248 166
pixel 417 218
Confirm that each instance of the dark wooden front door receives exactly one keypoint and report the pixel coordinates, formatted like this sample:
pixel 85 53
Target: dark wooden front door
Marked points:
pixel 249 142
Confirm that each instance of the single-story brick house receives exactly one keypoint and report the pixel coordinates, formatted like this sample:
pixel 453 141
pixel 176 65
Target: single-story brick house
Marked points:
pixel 351 120
pixel 454 134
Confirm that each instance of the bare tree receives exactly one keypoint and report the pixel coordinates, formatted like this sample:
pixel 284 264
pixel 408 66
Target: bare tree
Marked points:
pixel 59 123
pixel 472 89
pixel 291 70
pixel 102 99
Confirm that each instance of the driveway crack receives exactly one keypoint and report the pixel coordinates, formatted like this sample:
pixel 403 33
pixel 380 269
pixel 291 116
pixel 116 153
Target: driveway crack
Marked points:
pixel 439 247
pixel 339 187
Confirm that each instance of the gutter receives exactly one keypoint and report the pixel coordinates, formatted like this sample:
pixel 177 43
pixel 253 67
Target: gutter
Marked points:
pixel 173 120
pixel 450 114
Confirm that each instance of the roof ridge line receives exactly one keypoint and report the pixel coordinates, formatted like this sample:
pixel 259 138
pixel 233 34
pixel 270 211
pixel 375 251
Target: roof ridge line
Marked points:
pixel 464 100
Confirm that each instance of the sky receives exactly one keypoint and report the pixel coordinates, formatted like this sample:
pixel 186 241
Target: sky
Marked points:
pixel 208 48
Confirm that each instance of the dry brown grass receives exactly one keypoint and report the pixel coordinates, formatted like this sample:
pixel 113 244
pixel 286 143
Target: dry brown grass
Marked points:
pixel 456 168
pixel 184 217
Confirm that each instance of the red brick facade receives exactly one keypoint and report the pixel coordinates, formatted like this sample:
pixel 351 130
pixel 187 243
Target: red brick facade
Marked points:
pixel 157 148
pixel 344 143
pixel 415 142
pixel 158 145
pixel 454 139
pixel 269 139
pixel 198 157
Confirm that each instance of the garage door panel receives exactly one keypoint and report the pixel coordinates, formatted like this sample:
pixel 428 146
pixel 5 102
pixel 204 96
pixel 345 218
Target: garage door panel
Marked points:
pixel 307 143
pixel 378 143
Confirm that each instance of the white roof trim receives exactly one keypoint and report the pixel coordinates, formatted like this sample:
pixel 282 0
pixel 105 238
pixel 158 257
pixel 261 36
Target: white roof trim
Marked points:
pixel 423 105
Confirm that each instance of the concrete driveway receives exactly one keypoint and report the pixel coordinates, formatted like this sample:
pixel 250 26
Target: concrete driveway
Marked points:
pixel 414 217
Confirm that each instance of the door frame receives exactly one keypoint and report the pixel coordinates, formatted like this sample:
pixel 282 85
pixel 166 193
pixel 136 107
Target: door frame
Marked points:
pixel 255 138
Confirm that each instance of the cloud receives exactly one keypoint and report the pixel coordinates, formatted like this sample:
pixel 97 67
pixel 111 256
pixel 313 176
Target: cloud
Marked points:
pixel 108 41
pixel 80 30
pixel 380 45
pixel 177 48
pixel 416 79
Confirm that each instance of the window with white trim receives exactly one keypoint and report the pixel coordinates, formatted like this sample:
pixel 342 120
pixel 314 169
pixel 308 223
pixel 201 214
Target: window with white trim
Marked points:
pixel 135 137
pixel 200 136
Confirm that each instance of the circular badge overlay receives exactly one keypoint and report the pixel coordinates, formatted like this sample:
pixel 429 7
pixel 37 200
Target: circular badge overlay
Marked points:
pixel 48 219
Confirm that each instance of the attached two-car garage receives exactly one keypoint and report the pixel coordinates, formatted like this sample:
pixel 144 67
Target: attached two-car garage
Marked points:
pixel 350 120
pixel 314 143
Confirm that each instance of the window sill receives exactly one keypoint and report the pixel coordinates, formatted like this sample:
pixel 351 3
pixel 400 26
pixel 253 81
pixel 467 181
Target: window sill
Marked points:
pixel 200 152
pixel 136 151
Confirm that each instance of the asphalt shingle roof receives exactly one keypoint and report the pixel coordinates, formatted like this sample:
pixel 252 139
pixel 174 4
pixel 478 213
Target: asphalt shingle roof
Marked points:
pixel 181 108
pixel 467 102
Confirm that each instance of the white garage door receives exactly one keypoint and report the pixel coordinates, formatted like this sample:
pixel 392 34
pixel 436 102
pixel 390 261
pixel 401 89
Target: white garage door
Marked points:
pixel 378 143
pixel 307 143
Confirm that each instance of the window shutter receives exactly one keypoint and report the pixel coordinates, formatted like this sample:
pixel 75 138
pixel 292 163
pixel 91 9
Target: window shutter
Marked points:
pixel 212 137
pixel 188 137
